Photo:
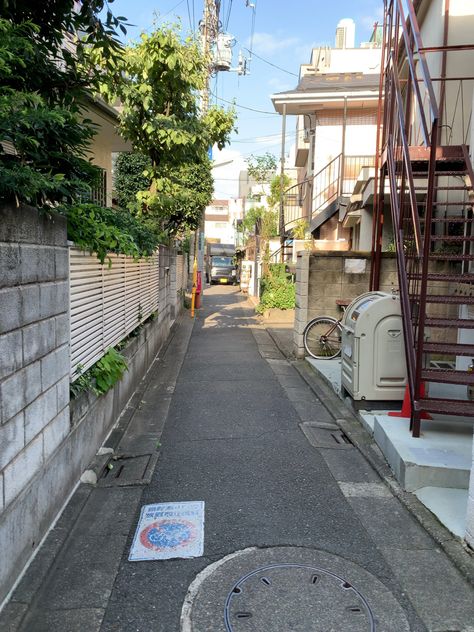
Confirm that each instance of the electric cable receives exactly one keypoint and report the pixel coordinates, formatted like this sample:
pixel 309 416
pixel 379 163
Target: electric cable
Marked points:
pixel 189 15
pixel 244 107
pixel 229 10
pixel 252 54
pixel 252 28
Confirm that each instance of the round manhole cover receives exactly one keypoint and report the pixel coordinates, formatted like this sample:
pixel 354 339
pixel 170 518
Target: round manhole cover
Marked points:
pixel 291 596
pixel 289 589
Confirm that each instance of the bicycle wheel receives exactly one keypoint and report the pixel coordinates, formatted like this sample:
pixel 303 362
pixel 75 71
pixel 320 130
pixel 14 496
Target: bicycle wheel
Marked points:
pixel 322 338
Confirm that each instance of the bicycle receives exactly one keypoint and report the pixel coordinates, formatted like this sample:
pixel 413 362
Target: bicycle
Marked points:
pixel 322 336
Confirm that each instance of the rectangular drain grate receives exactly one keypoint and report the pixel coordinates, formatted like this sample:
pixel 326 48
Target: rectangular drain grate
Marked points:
pixel 325 437
pixel 128 470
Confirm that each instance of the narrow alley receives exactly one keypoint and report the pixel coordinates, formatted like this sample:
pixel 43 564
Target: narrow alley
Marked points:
pixel 299 537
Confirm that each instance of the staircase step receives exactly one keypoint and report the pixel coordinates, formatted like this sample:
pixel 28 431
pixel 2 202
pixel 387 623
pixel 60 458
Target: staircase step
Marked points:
pixel 420 170
pixel 453 219
pixel 448 406
pixel 434 276
pixel 442 257
pixel 448 188
pixel 450 323
pixel 447 376
pixel 464 204
pixel 450 300
pixel 448 349
pixel 451 238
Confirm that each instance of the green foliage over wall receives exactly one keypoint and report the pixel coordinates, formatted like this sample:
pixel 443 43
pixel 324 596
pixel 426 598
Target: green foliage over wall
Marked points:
pixel 102 375
pixel 43 88
pixel 277 289
pixel 104 230
pixel 161 80
pixel 129 178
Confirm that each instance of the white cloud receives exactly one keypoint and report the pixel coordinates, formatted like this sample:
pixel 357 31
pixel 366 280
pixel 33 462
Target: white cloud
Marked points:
pixel 368 21
pixel 268 44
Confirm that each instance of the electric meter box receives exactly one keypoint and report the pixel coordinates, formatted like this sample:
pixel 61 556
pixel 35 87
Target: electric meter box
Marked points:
pixel 373 348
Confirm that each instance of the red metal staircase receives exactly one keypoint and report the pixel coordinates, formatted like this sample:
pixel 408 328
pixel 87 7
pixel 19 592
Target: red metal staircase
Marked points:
pixel 430 190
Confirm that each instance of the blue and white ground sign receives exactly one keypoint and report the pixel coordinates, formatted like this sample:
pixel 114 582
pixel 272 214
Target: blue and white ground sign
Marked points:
pixel 169 530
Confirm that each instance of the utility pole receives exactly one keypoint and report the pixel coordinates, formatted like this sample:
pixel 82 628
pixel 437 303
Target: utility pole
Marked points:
pixel 209 27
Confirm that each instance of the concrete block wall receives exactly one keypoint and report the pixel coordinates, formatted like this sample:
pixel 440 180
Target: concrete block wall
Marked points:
pixel 301 302
pixel 470 507
pixel 323 279
pixel 34 371
pixel 46 442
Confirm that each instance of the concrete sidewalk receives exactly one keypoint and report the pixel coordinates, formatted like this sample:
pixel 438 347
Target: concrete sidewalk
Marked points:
pixel 302 533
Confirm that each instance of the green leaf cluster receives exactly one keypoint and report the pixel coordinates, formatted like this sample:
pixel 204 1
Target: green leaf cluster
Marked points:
pixel 102 375
pixel 103 230
pixel 161 80
pixel 130 178
pixel 276 186
pixel 277 289
pixel 262 168
pixel 44 84
pixel 266 220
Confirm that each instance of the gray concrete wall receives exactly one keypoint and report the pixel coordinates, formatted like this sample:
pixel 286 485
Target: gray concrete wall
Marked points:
pixel 46 442
pixel 34 374
pixel 470 507
pixel 322 278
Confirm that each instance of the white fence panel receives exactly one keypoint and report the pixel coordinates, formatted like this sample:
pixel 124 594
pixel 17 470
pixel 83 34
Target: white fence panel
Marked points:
pixel 107 303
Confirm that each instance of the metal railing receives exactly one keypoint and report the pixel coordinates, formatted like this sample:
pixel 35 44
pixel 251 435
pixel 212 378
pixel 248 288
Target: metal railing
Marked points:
pixel 404 104
pixel 312 195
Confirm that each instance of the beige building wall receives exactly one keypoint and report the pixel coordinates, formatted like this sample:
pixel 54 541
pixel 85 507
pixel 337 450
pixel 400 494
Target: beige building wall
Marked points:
pixel 106 141
pixel 457 102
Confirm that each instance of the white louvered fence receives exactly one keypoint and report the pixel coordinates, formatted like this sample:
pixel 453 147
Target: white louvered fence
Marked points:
pixel 107 303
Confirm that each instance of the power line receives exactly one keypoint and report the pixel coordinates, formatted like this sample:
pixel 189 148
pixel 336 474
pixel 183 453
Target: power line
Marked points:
pixel 191 25
pixel 228 15
pixel 288 72
pixel 244 107
pixel 171 10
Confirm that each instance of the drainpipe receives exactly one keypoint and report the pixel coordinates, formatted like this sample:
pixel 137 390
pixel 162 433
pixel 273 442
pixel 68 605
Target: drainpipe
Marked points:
pixel 343 148
pixel 282 179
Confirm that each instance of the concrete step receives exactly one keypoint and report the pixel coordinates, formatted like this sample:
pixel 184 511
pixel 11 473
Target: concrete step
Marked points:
pixel 442 457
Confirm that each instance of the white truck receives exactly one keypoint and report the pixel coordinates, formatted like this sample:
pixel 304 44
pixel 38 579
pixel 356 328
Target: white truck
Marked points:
pixel 221 266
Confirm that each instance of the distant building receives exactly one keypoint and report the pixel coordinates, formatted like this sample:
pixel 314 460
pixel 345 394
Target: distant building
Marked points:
pixel 345 33
pixel 221 218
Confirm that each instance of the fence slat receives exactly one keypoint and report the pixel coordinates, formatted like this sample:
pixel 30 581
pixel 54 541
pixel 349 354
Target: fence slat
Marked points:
pixel 106 302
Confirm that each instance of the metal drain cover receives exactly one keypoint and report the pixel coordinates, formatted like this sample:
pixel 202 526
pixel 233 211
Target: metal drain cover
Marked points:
pixel 289 589
pixel 330 438
pixel 128 470
pixel 259 601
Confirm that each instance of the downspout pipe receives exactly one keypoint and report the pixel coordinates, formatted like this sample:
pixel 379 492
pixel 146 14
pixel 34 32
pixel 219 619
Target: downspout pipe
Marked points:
pixel 282 182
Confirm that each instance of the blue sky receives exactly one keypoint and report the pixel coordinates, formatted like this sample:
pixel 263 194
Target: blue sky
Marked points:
pixel 285 32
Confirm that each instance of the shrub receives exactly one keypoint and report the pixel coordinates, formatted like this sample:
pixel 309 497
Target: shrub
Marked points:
pixel 103 230
pixel 277 289
pixel 129 178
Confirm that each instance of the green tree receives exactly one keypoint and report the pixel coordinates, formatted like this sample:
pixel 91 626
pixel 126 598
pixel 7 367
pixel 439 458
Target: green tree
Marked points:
pixel 162 77
pixel 130 178
pixel 261 169
pixel 43 87
pixel 275 189
pixel 266 220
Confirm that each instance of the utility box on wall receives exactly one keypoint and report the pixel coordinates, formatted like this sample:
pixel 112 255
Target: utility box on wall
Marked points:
pixel 373 350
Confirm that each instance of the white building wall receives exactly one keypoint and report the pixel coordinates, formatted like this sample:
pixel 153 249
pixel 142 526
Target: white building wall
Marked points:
pixel 344 60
